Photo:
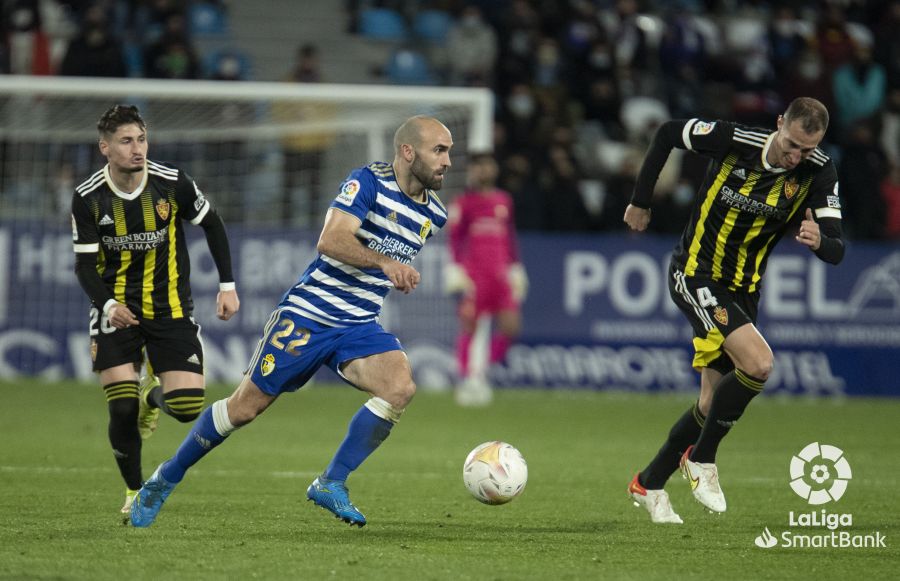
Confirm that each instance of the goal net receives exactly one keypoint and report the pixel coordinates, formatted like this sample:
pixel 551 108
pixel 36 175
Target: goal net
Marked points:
pixel 270 156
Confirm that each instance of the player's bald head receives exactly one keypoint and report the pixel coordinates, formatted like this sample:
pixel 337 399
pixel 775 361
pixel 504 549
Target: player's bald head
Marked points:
pixel 414 131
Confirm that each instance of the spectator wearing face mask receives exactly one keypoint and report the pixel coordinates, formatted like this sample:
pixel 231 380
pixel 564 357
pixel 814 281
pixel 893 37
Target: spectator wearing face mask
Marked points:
pixel 472 49
pixel 521 115
pixel 808 77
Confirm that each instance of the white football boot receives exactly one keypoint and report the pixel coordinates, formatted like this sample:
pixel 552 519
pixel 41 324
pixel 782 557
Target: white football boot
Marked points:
pixel 474 392
pixel 126 508
pixel 656 502
pixel 704 479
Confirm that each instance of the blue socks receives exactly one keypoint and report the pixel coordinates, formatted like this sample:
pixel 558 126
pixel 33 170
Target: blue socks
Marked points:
pixel 365 433
pixel 209 431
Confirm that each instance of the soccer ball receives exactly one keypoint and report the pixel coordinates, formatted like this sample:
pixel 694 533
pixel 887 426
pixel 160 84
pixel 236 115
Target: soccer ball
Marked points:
pixel 495 472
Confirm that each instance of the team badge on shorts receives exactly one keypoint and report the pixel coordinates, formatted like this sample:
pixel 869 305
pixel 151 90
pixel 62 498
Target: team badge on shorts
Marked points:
pixel 162 208
pixel 94 350
pixel 721 314
pixel 790 187
pixel 268 364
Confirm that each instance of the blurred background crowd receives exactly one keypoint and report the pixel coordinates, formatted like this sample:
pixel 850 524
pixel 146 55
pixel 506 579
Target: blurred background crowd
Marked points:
pixel 580 85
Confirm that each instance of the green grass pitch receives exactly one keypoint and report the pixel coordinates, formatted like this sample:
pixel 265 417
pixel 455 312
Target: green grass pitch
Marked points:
pixel 242 513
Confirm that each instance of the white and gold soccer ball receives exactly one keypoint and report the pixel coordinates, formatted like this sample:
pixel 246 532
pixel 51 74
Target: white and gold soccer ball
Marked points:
pixel 495 472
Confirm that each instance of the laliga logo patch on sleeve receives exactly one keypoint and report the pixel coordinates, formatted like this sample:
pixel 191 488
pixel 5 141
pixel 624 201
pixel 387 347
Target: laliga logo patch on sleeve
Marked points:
pixel 201 199
pixel 349 189
pixel 703 127
pixel 197 191
pixel 74 228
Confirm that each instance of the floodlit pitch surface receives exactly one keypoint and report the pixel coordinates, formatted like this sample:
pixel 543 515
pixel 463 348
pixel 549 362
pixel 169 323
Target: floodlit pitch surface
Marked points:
pixel 242 512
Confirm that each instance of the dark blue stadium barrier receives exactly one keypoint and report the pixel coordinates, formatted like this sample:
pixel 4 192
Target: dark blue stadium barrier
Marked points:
pixel 598 315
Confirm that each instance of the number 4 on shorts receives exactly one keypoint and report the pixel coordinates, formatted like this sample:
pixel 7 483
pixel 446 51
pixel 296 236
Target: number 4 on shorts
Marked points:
pixel 706 298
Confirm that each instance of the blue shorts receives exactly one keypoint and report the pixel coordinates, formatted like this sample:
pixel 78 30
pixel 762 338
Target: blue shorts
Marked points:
pixel 293 348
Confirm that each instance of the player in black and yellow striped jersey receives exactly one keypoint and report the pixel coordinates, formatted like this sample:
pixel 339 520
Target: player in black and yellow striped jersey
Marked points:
pixel 132 261
pixel 760 185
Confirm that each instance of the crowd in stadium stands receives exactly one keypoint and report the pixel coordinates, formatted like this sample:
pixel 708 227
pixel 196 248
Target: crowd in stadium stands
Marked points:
pixel 106 38
pixel 580 85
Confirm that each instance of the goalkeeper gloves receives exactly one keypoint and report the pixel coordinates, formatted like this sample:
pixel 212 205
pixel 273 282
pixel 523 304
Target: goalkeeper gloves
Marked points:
pixel 518 281
pixel 456 281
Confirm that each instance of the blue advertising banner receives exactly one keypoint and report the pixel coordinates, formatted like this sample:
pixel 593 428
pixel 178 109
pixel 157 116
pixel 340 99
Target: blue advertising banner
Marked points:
pixel 598 314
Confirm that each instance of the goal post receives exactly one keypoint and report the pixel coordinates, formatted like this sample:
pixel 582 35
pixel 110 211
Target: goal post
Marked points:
pixel 269 155
pixel 203 123
pixel 368 106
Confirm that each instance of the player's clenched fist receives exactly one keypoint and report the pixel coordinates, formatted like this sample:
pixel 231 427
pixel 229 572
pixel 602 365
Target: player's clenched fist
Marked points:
pixel 404 277
pixel 637 218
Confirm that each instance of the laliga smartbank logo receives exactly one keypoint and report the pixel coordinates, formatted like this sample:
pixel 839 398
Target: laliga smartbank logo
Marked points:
pixel 819 475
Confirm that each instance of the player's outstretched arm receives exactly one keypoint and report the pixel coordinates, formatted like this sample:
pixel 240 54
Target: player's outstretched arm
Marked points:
pixel 667 137
pixel 338 240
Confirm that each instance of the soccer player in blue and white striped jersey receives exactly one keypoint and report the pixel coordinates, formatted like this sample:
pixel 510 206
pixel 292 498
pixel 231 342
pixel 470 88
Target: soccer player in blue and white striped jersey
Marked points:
pixel 379 221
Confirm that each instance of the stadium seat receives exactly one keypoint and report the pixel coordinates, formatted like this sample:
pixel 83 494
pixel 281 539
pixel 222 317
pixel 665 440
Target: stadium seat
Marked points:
pixel 409 67
pixel 432 26
pixel 133 54
pixel 382 24
pixel 207 20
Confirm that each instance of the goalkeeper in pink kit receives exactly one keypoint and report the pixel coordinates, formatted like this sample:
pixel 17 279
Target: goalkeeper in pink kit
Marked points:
pixel 486 274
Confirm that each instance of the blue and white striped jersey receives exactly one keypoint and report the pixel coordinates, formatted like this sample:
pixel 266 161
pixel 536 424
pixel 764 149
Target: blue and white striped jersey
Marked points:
pixel 393 224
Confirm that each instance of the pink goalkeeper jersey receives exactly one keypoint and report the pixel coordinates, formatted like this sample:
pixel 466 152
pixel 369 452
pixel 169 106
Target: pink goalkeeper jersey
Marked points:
pixel 482 232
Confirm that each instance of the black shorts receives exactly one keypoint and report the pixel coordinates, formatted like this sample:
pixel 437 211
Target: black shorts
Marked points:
pixel 172 344
pixel 713 310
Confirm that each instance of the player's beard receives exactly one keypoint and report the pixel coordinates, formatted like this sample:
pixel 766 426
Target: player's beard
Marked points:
pixel 425 175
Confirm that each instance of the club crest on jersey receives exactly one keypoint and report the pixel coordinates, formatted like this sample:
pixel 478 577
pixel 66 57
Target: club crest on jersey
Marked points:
pixel 162 208
pixel 790 187
pixel 392 216
pixel 703 127
pixel 425 229
pixel 348 192
pixel 721 314
pixel 268 364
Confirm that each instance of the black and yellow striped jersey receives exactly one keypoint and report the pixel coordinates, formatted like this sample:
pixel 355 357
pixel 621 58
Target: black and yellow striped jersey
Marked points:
pixel 138 236
pixel 745 205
